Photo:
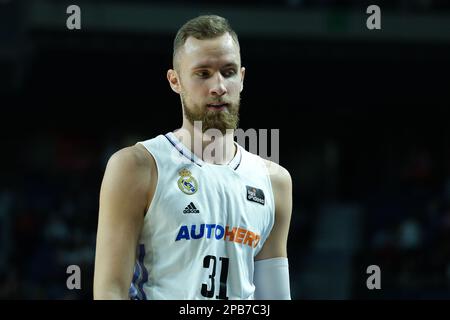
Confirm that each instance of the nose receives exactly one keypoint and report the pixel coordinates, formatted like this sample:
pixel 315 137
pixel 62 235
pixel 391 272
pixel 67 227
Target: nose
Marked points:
pixel 218 85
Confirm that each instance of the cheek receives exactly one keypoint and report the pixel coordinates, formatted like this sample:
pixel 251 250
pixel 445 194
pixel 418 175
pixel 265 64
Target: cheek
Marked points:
pixel 234 87
pixel 195 93
pixel 196 88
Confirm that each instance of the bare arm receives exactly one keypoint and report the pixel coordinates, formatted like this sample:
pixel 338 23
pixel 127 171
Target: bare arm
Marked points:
pixel 271 274
pixel 276 244
pixel 124 198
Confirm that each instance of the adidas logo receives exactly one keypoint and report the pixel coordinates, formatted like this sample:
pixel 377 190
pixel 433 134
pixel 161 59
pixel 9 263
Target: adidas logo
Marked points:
pixel 191 209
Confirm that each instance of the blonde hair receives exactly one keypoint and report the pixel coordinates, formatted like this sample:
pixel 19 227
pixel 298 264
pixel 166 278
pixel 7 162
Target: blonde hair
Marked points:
pixel 202 27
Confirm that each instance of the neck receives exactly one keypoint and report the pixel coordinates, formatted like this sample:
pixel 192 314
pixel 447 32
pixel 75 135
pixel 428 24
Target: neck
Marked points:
pixel 212 147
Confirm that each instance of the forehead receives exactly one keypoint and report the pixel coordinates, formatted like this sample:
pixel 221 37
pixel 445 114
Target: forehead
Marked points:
pixel 222 49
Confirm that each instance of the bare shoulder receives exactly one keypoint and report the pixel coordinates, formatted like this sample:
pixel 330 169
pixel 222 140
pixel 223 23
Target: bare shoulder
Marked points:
pixel 130 174
pixel 133 162
pixel 133 157
pixel 279 176
pixel 132 165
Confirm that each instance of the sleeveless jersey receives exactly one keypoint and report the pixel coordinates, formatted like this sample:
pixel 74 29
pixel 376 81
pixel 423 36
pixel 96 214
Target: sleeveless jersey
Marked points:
pixel 204 226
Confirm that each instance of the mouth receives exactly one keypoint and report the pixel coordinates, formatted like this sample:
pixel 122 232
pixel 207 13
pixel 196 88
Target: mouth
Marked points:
pixel 217 106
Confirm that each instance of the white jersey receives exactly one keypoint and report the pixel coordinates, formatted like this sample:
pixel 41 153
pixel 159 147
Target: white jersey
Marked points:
pixel 204 226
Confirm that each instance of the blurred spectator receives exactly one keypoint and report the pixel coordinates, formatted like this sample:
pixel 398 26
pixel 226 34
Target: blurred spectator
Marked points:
pixel 410 234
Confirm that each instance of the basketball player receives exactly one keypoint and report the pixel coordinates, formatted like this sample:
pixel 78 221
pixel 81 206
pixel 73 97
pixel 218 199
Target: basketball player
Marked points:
pixel 176 224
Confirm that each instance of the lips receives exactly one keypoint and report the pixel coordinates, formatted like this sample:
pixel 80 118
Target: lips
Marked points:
pixel 218 106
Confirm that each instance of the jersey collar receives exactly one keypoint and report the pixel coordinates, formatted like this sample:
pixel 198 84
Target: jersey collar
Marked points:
pixel 177 144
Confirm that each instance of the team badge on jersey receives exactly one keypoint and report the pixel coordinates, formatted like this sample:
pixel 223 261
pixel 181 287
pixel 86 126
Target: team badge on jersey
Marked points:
pixel 187 182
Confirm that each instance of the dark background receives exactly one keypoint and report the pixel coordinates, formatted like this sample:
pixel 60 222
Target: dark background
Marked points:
pixel 363 119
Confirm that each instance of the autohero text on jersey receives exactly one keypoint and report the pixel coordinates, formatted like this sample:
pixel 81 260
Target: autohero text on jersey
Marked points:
pixel 218 232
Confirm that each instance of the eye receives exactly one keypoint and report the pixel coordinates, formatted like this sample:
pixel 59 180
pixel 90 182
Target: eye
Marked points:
pixel 229 72
pixel 202 73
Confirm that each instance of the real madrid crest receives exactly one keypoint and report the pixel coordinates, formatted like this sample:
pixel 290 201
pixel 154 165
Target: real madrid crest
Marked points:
pixel 187 182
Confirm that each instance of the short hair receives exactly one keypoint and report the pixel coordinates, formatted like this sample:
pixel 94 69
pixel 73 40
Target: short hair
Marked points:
pixel 203 27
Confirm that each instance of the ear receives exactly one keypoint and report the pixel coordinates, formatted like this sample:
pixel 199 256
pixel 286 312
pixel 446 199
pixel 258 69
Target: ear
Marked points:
pixel 174 81
pixel 242 78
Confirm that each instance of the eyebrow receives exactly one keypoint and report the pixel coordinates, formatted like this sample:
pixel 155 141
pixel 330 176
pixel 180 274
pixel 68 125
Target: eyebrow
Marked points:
pixel 205 65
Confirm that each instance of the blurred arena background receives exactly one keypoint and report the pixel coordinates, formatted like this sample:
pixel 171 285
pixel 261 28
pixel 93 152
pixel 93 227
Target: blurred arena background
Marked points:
pixel 364 130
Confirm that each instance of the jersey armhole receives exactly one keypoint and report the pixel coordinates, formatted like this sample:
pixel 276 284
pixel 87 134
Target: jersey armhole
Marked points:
pixel 272 197
pixel 156 193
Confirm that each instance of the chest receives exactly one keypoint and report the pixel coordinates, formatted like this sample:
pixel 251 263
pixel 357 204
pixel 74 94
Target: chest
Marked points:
pixel 206 197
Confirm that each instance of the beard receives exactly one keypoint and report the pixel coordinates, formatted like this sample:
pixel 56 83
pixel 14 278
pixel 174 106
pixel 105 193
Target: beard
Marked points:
pixel 213 119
